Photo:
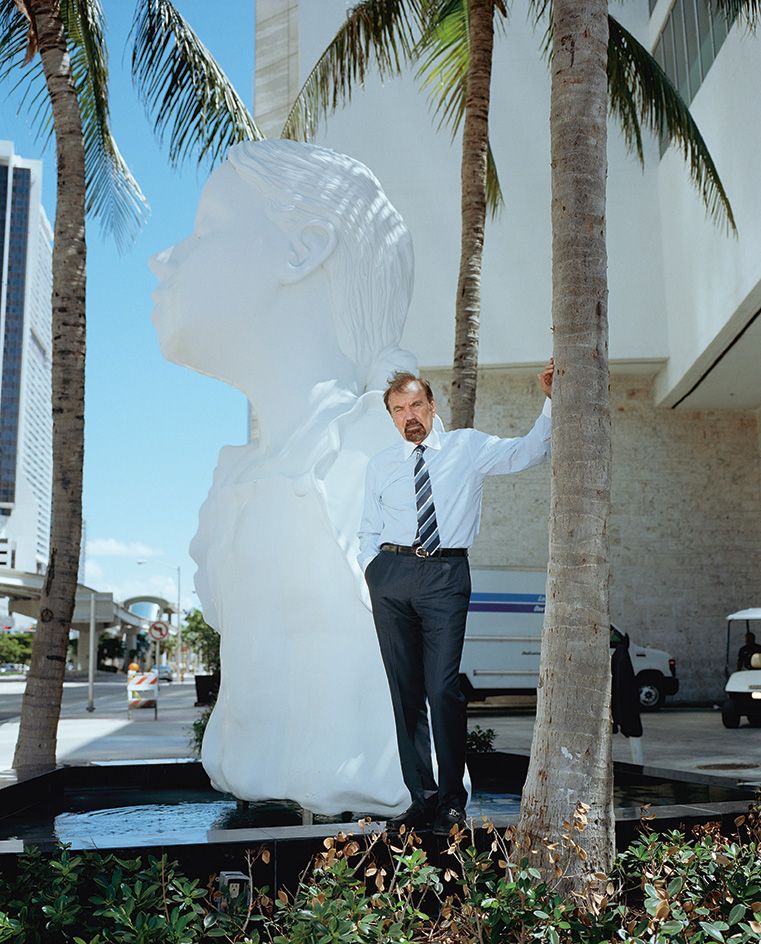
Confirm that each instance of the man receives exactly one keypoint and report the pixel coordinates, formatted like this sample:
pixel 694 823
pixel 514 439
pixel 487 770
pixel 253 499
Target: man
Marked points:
pixel 421 514
pixel 747 651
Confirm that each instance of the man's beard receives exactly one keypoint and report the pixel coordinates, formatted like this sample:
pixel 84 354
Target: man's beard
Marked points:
pixel 414 432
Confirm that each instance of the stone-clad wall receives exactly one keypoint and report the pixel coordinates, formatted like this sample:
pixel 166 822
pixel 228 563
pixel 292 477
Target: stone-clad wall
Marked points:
pixel 686 519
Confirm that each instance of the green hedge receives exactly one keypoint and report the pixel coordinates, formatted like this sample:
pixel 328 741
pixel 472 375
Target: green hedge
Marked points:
pixel 367 888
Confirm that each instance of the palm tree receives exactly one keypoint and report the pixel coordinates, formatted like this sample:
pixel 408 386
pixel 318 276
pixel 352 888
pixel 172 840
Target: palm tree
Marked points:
pixel 473 187
pixel 594 62
pixel 434 37
pixel 40 711
pixel 570 776
pixel 191 101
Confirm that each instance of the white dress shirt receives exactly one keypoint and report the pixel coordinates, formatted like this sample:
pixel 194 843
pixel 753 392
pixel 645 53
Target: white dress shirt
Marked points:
pixel 457 461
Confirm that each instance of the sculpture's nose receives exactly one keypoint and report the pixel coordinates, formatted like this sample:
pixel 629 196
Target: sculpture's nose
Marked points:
pixel 160 263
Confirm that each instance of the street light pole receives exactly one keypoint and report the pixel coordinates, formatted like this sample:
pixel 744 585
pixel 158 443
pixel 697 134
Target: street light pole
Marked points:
pixel 180 671
pixel 92 656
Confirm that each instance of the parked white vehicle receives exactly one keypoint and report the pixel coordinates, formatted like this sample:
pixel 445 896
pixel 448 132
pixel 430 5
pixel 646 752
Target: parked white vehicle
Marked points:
pixel 503 637
pixel 743 687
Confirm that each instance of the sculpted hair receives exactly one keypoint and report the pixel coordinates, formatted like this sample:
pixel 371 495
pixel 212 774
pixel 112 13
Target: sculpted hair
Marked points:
pixel 372 267
pixel 399 382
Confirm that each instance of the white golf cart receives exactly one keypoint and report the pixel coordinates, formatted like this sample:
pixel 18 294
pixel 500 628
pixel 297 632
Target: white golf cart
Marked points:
pixel 743 687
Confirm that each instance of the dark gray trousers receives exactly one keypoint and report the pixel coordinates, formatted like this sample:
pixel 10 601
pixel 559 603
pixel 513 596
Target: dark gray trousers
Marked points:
pixel 419 607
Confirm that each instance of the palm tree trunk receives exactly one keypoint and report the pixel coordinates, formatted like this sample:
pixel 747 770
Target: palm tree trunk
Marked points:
pixel 475 146
pixel 571 751
pixel 36 746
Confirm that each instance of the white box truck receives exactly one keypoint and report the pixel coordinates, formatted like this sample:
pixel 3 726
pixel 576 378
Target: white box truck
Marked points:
pixel 503 638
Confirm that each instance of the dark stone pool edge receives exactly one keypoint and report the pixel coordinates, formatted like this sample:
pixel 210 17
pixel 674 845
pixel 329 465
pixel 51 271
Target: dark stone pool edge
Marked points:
pixel 291 847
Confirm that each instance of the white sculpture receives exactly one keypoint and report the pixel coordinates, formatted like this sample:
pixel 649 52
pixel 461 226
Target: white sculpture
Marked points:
pixel 294 288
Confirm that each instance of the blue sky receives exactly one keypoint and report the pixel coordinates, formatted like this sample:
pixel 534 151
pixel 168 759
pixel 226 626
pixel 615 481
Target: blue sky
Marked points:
pixel 153 430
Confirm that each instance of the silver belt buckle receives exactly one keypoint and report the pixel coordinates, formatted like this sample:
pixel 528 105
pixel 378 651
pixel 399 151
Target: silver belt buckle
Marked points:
pixel 420 551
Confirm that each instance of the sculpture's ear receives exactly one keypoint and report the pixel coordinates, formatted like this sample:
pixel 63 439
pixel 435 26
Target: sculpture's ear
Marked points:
pixel 310 246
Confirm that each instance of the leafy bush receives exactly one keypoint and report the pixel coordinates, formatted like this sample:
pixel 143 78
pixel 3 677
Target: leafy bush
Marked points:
pixel 369 888
pixel 16 647
pixel 198 729
pixel 201 638
pixel 702 890
pixel 481 740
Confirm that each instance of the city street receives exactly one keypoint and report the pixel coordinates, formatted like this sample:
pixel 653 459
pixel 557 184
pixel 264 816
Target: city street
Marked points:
pixel 691 739
pixel 107 734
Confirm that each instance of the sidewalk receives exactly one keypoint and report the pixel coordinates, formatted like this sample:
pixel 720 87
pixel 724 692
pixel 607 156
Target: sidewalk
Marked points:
pixel 691 739
pixel 107 734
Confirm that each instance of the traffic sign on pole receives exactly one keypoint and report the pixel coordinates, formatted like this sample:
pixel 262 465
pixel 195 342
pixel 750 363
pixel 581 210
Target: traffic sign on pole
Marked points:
pixel 158 630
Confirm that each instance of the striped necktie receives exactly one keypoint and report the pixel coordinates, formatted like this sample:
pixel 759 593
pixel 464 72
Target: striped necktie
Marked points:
pixel 427 528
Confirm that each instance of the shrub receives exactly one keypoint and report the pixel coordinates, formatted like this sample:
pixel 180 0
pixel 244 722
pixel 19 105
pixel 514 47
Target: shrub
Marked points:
pixel 369 888
pixel 481 740
pixel 198 729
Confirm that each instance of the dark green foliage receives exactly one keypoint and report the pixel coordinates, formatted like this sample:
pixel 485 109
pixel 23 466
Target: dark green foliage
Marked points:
pixel 641 93
pixel 434 36
pixel 114 197
pixel 198 729
pixel 89 898
pixel 201 638
pixel 749 11
pixel 481 740
pixel 380 32
pixel 367 888
pixel 706 889
pixel 186 94
pixel 16 647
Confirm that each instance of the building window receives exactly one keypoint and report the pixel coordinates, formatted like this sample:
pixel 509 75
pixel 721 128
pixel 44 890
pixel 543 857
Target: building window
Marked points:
pixel 689 42
pixel 14 327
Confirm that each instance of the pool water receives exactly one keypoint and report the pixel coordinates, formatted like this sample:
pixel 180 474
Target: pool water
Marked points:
pixel 122 817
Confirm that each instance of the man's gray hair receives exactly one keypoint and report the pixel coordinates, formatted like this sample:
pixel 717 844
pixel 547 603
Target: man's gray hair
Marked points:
pixel 371 269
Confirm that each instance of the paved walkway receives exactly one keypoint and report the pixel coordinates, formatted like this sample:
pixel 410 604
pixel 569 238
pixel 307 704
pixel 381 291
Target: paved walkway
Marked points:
pixel 691 739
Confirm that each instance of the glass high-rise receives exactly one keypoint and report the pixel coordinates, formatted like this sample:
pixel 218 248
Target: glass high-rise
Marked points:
pixel 25 365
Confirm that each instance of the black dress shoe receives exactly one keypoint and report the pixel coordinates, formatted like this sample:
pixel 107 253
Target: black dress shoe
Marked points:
pixel 446 818
pixel 419 815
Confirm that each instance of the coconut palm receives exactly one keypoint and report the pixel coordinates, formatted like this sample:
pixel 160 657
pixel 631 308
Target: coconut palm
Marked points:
pixel 473 197
pixel 570 777
pixel 433 37
pixel 595 64
pixel 192 103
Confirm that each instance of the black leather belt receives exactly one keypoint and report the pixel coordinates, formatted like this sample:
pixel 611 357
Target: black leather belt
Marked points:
pixel 420 551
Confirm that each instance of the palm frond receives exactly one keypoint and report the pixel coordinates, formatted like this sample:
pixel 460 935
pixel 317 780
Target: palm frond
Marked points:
pixel 379 32
pixel 747 11
pixel 114 197
pixel 444 54
pixel 24 78
pixel 185 92
pixel 537 10
pixel 642 94
pixel 495 201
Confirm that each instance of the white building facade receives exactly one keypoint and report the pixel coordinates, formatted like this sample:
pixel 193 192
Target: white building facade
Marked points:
pixel 685 332
pixel 25 365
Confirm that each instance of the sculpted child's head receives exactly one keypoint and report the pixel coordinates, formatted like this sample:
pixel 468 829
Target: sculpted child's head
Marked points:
pixel 274 215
